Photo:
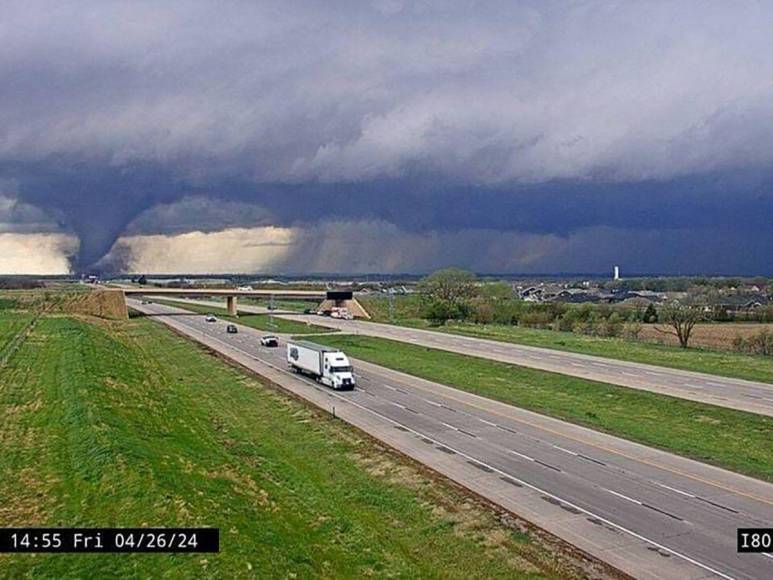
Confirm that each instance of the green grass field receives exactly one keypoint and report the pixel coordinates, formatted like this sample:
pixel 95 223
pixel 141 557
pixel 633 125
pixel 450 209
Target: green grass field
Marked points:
pixel 11 323
pixel 259 321
pixel 126 424
pixel 281 304
pixel 754 368
pixel 732 439
pixel 7 303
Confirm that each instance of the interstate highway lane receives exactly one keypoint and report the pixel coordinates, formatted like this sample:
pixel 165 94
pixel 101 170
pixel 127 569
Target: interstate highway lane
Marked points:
pixel 649 513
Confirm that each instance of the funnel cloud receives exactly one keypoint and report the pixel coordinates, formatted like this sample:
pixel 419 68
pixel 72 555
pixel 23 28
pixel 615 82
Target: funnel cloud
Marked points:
pixel 386 136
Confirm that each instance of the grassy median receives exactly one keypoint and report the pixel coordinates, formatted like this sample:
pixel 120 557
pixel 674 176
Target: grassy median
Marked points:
pixel 408 310
pixel 259 321
pixel 732 439
pixel 126 424
pixel 741 366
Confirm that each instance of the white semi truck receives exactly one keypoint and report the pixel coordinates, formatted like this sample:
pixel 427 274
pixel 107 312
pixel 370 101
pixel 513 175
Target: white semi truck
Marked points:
pixel 327 365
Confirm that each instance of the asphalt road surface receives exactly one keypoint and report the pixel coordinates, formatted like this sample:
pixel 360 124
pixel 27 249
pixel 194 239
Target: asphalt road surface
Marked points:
pixel 739 394
pixel 649 513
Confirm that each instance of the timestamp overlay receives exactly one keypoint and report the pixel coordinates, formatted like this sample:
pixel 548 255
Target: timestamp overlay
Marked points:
pixel 117 540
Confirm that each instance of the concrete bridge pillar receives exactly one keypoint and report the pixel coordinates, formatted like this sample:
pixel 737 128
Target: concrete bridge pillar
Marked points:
pixel 231 303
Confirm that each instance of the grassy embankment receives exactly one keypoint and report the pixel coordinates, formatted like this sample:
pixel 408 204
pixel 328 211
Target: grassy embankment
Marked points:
pixel 732 439
pixel 281 304
pixel 723 363
pixel 11 323
pixel 259 321
pixel 125 424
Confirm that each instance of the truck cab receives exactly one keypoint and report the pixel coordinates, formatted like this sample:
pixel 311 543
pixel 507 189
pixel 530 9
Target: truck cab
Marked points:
pixel 337 371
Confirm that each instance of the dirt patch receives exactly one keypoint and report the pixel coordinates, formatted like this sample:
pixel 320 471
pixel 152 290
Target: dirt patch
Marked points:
pixel 29 406
pixel 25 508
pixel 109 304
pixel 713 336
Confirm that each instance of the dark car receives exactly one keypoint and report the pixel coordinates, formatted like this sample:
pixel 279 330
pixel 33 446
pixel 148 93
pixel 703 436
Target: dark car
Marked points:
pixel 310 311
pixel 231 329
pixel 269 340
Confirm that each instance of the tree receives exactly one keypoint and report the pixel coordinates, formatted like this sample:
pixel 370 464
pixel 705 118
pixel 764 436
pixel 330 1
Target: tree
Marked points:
pixel 447 293
pixel 650 314
pixel 681 318
pixel 495 292
pixel 439 312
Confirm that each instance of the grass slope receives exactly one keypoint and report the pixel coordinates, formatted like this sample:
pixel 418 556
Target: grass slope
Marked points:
pixel 732 439
pixel 259 321
pixel 125 424
pixel 11 323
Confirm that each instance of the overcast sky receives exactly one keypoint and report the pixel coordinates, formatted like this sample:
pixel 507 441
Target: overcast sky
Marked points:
pixel 386 136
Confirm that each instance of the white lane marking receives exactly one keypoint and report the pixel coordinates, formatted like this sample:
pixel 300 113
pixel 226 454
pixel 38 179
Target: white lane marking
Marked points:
pixel 487 422
pixel 538 489
pixel 397 405
pixel 449 426
pixel 389 387
pixel 522 455
pixel 625 497
pixel 675 490
pixel 693 385
pixel 431 402
pixel 628 374
pixel 565 450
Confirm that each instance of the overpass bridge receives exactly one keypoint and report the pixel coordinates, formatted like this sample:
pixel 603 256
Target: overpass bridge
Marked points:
pixel 328 298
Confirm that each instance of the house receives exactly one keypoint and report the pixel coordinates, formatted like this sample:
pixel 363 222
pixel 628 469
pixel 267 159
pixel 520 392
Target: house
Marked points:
pixel 575 296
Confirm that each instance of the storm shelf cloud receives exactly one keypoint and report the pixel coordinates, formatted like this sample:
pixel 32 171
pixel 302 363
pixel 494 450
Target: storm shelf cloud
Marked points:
pixel 389 135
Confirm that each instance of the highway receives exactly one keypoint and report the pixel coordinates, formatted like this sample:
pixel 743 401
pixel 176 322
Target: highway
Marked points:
pixel 738 394
pixel 649 513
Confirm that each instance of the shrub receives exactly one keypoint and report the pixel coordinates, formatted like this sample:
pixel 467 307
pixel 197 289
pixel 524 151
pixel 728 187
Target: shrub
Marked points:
pixel 631 330
pixel 483 313
pixel 760 343
pixel 651 314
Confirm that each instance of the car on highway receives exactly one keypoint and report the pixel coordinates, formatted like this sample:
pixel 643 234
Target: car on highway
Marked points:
pixel 310 311
pixel 210 318
pixel 231 329
pixel 147 302
pixel 269 340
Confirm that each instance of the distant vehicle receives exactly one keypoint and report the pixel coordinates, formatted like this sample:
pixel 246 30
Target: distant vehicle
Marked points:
pixel 341 313
pixel 310 311
pixel 327 365
pixel 147 302
pixel 245 288
pixel 210 318
pixel 231 329
pixel 269 340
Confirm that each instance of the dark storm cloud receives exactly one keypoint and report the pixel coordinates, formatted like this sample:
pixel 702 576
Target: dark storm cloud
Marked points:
pixel 544 118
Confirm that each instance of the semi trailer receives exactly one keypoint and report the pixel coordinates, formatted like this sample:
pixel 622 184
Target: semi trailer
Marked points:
pixel 327 365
